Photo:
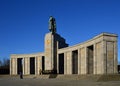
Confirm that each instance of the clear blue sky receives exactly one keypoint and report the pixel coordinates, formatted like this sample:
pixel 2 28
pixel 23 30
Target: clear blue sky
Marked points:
pixel 24 23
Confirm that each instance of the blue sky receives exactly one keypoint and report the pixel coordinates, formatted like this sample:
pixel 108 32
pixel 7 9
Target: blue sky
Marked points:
pixel 24 23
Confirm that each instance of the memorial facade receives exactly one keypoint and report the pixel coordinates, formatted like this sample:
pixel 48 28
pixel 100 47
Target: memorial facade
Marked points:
pixel 95 56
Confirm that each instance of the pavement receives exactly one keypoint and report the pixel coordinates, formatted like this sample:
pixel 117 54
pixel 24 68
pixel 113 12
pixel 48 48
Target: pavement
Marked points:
pixel 33 81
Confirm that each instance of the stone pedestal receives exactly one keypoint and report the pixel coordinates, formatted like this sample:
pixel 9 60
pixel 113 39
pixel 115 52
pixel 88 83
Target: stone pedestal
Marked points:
pixel 49 51
pixel 53 42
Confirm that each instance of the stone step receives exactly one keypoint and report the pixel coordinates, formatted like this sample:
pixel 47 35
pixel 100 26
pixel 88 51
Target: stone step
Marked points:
pixel 99 78
pixel 109 78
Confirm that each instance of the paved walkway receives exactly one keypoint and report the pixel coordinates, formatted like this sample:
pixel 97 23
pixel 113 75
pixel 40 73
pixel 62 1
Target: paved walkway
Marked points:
pixel 16 81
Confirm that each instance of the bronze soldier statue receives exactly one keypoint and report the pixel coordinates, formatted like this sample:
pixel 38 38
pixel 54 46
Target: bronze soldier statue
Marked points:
pixel 52 25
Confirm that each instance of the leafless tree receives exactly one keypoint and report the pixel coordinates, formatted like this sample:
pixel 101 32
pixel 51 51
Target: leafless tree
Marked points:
pixel 4 62
pixel 0 63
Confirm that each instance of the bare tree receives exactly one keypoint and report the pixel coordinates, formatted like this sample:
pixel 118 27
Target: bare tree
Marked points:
pixel 0 63
pixel 6 62
pixel 118 62
pixel 4 66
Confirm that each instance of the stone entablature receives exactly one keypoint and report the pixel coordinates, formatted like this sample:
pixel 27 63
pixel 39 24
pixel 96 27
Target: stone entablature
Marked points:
pixel 96 39
pixel 26 55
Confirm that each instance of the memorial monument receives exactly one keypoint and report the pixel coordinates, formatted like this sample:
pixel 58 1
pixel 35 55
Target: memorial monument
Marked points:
pixel 95 56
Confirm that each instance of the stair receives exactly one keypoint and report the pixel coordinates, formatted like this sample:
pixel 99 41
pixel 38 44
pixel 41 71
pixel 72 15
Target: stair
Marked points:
pixel 98 78
pixel 113 77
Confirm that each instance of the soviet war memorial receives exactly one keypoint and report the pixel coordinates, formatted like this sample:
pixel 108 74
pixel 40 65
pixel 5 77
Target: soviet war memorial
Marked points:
pixel 59 43
pixel 95 56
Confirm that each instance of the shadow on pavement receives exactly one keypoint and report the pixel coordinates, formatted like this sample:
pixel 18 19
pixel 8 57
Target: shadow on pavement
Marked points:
pixel 53 76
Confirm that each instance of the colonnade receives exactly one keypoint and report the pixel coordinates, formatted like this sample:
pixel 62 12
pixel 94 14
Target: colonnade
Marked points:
pixel 26 69
pixel 95 56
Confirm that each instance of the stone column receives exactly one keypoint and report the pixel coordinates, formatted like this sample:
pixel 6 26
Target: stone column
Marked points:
pixel 23 64
pixel 69 62
pixel 95 60
pixel 57 63
pixel 65 63
pixel 26 65
pixel 57 46
pixel 10 66
pixel 115 57
pixel 40 59
pixel 110 57
pixel 79 62
pixel 104 58
pixel 83 60
pixel 99 58
pixel 103 63
pixel 38 64
pixel 14 66
pixel 86 60
pixel 36 70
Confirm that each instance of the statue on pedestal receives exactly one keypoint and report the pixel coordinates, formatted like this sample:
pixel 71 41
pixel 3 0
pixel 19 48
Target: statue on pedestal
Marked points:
pixel 52 25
